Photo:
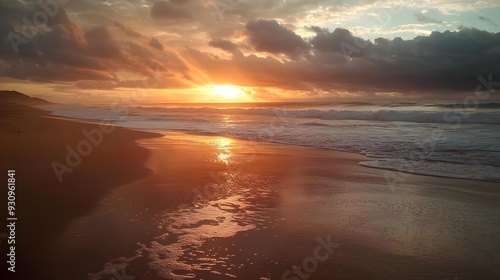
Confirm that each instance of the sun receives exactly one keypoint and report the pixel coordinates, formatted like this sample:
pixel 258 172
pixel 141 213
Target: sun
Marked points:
pixel 228 91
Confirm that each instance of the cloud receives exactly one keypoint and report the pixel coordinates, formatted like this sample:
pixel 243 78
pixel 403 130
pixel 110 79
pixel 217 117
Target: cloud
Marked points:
pixel 170 10
pixel 425 19
pixel 443 61
pixel 64 51
pixel 224 45
pixel 269 36
pixel 154 43
pixel 448 7
pixel 272 42
pixel 340 40
pixel 101 42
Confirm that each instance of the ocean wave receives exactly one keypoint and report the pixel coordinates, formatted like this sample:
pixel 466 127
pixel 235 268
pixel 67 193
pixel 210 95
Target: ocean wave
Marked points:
pixel 415 116
pixel 426 134
pixel 315 124
pixel 357 103
pixel 490 105
pixel 438 169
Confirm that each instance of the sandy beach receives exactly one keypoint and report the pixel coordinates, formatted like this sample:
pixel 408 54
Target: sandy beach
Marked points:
pixel 222 208
pixel 188 206
pixel 30 144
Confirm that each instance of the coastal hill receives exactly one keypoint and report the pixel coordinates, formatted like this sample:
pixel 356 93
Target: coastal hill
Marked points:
pixel 20 98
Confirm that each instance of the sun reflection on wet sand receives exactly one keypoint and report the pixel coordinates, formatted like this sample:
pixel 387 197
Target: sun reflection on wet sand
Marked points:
pixel 180 249
pixel 224 145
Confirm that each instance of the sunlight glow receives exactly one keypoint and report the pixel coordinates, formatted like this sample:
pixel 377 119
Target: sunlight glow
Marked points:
pixel 228 91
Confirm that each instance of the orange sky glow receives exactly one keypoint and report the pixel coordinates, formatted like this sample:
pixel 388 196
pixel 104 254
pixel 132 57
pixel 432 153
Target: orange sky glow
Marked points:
pixel 246 51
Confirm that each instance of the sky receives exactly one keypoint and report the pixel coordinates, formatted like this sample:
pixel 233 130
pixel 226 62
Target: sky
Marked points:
pixel 248 50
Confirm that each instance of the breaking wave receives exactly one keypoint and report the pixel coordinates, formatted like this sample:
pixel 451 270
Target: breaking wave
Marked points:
pixel 452 117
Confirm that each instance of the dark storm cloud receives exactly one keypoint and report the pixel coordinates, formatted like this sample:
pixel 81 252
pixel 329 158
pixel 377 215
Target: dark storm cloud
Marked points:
pixel 63 51
pixel 442 60
pixel 340 40
pixel 341 61
pixel 270 36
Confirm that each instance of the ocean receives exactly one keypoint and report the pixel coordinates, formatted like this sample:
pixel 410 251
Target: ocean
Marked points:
pixel 421 137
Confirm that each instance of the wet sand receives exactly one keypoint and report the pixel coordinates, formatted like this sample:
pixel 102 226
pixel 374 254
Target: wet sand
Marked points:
pixel 222 208
pixel 30 143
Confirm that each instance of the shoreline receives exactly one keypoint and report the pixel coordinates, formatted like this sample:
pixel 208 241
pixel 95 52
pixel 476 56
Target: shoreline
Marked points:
pixel 162 133
pixel 400 172
pixel 362 158
pixel 424 174
pixel 218 192
pixel 290 191
pixel 361 163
